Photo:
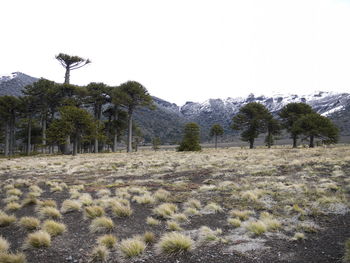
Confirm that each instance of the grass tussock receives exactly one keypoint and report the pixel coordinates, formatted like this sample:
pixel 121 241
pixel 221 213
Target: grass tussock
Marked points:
pixel 206 234
pixel 121 210
pixel 85 199
pixel 173 226
pixel 298 236
pixel 14 191
pixel 149 237
pixel 70 206
pixel 29 223
pixel 94 211
pixel 38 239
pixel 101 224
pixel 213 208
pixel 165 210
pixel 174 243
pixel 235 222
pixel 152 221
pixel 12 258
pixel 144 199
pixel 48 203
pixel 13 206
pixel 256 227
pixel 6 219
pixel 108 240
pixel 49 212
pixel 100 253
pixel 241 214
pixel 4 245
pixel 132 247
pixel 10 199
pixel 54 228
pixel 161 195
pixel 30 201
pixel 193 203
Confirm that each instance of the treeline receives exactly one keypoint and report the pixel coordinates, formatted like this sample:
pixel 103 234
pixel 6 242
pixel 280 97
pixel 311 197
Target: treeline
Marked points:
pixel 253 119
pixel 70 119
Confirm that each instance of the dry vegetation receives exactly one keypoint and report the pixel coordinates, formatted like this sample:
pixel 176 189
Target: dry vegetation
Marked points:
pixel 161 204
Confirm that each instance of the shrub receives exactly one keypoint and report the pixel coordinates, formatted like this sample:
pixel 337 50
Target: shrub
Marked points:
pixel 38 239
pixel 94 211
pixel 12 258
pixel 6 219
pixel 4 245
pixel 152 221
pixel 100 253
pixel 70 206
pixel 53 228
pixel 190 141
pixel 174 243
pixel 108 241
pixel 29 223
pixel 132 247
pixel 165 210
pixel 101 224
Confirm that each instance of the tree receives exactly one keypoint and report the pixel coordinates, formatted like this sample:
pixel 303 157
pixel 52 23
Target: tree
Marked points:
pixel 75 122
pixel 97 97
pixel 290 114
pixel 314 125
pixel 156 142
pixel 9 111
pixel 71 63
pixel 134 95
pixel 190 141
pixel 252 119
pixel 215 131
pixel 273 129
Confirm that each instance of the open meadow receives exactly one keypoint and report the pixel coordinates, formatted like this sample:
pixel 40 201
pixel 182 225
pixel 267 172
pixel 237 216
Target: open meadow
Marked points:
pixel 225 205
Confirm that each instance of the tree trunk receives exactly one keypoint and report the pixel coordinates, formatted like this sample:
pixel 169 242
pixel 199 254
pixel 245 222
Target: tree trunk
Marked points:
pixel 129 148
pixel 294 141
pixel 75 145
pixel 311 145
pixel 115 137
pixel 96 145
pixel 251 143
pixel 67 75
pixel 29 140
pixel 269 140
pixel 7 139
pixel 44 135
pixel 67 145
pixel 216 142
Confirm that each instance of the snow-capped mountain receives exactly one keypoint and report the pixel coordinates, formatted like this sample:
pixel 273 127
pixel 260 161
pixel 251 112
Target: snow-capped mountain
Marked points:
pixel 168 119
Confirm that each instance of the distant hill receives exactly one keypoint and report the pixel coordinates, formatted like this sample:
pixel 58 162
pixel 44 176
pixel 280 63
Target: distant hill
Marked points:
pixel 168 119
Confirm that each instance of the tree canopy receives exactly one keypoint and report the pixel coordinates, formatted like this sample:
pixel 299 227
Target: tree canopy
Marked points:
pixel 190 141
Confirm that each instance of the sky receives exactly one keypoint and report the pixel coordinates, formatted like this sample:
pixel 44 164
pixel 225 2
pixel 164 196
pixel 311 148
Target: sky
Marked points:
pixel 183 50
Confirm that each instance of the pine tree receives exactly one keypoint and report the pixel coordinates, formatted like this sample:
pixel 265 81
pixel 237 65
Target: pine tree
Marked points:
pixel 190 141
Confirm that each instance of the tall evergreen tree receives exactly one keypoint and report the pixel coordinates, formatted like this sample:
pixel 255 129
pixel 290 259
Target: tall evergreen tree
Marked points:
pixel 215 131
pixel 134 95
pixel 252 119
pixel 71 63
pixel 190 141
pixel 290 114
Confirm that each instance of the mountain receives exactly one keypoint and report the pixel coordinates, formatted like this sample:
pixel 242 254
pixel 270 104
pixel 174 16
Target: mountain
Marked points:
pixel 14 83
pixel 168 119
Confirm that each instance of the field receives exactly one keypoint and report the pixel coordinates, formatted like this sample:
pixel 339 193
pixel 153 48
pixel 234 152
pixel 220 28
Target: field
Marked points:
pixel 225 205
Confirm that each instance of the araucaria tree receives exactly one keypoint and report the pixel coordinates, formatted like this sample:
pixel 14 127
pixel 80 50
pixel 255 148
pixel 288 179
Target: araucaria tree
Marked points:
pixel 252 120
pixel 215 131
pixel 314 125
pixel 190 141
pixel 134 95
pixel 290 114
pixel 274 129
pixel 71 63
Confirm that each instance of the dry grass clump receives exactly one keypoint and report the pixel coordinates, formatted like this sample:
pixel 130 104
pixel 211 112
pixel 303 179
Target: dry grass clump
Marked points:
pixel 121 210
pixel 4 245
pixel 85 199
pixel 144 199
pixel 54 228
pixel 152 221
pixel 74 193
pixel 137 190
pixel 38 239
pixel 14 191
pixel 179 217
pixel 101 224
pixel 48 203
pixel 256 227
pixel 298 236
pixel 236 222
pixel 165 210
pixel 12 258
pixel 94 211
pixel 100 253
pixel 108 240
pixel 161 195
pixel 213 208
pixel 29 223
pixel 132 247
pixel 12 206
pixel 193 203
pixel 70 206
pixel 36 189
pixel 208 235
pixel 49 212
pixel 122 193
pixel 174 243
pixel 173 226
pixel 189 211
pixel 10 199
pixel 241 214
pixel 30 201
pixel 56 188
pixel 103 193
pixel 6 219
pixel 149 237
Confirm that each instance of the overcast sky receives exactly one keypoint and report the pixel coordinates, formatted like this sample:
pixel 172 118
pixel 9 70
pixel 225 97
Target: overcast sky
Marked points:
pixel 183 50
